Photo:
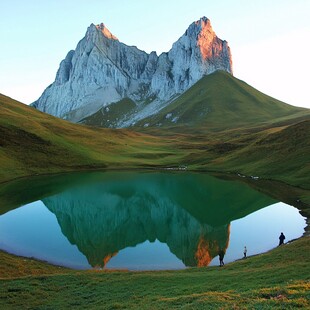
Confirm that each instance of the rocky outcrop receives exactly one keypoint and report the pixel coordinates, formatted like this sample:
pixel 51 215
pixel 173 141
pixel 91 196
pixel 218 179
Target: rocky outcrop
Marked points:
pixel 103 70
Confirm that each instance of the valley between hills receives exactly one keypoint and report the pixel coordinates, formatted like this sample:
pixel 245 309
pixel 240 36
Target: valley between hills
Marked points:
pixel 268 139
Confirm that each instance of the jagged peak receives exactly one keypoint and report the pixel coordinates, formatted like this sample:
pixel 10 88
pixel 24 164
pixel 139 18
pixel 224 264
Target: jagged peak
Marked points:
pixel 203 22
pixel 205 38
pixel 106 32
pixel 199 27
pixel 200 30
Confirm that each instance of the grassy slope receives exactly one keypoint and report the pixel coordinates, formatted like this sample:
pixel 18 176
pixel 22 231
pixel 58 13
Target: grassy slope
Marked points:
pixel 277 153
pixel 220 101
pixel 226 125
pixel 276 280
pixel 32 142
pixel 288 148
pixel 108 117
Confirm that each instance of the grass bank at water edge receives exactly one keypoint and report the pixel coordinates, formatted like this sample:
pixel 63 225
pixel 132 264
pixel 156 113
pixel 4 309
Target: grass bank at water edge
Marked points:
pixel 279 279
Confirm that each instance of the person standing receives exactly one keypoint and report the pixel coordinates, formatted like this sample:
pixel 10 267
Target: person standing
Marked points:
pixel 244 252
pixel 221 257
pixel 281 238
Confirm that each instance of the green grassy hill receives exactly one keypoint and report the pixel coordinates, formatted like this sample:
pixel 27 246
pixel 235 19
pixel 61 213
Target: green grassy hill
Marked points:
pixel 220 101
pixel 284 154
pixel 32 142
pixel 108 116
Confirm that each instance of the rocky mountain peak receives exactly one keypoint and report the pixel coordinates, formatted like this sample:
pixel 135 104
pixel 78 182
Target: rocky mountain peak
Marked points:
pixel 203 24
pixel 106 32
pixel 102 71
pixel 209 44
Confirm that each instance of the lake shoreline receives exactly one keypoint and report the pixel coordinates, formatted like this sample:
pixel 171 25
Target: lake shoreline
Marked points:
pixel 275 279
pixel 48 264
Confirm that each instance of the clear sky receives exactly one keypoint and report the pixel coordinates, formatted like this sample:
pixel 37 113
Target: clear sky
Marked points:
pixel 269 39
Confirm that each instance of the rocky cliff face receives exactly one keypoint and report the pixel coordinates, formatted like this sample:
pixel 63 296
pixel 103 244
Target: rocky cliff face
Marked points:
pixel 102 71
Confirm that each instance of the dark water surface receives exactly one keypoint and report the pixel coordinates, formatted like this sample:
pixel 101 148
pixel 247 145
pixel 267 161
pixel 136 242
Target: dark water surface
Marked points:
pixel 141 221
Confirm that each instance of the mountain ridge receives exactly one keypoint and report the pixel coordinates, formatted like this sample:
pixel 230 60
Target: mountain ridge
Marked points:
pixel 102 70
pixel 217 101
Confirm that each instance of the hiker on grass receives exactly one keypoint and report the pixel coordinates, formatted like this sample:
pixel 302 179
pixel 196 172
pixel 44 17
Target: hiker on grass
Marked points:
pixel 244 252
pixel 281 238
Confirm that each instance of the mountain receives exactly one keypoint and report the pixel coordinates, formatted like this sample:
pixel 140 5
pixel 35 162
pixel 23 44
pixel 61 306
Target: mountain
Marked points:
pixel 32 142
pixel 216 101
pixel 102 70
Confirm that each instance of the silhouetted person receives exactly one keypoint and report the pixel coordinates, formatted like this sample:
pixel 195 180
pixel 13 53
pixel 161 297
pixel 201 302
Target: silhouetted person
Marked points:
pixel 244 252
pixel 221 257
pixel 281 238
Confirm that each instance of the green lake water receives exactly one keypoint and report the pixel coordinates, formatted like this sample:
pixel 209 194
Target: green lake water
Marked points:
pixel 141 221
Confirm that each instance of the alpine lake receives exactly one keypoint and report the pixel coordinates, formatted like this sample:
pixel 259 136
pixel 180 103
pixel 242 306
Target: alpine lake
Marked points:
pixel 141 220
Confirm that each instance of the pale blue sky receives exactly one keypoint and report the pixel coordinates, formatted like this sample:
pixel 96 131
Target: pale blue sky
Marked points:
pixel 269 40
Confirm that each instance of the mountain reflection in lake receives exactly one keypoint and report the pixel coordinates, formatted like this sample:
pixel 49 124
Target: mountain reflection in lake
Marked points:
pixel 136 220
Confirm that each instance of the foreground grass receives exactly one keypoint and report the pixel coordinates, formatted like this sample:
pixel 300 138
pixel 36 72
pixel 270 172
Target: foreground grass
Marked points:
pixel 275 280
